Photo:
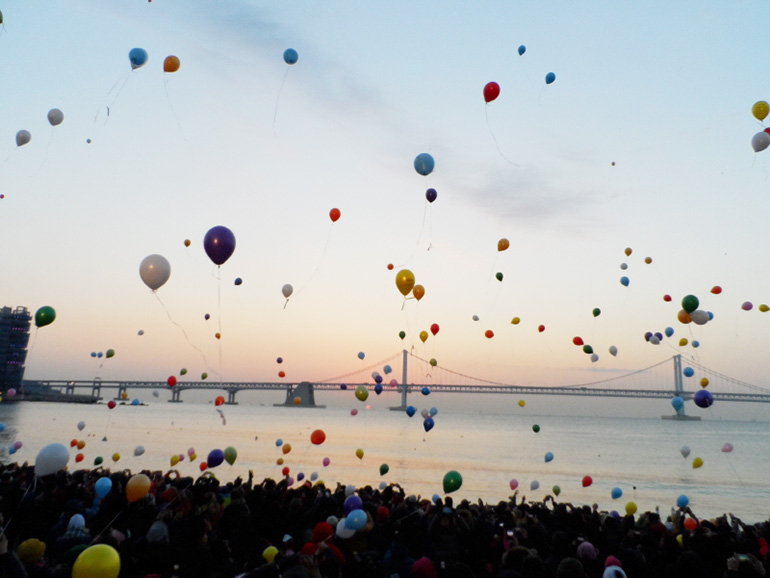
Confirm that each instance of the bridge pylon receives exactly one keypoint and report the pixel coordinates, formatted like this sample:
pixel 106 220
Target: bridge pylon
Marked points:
pixel 679 391
pixel 404 385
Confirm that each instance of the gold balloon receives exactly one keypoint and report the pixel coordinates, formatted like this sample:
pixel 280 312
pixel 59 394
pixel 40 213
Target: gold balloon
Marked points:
pixel 405 281
pixel 697 462
pixel 360 454
pixel 760 110
pixel 100 560
pixel 423 336
pixel 502 244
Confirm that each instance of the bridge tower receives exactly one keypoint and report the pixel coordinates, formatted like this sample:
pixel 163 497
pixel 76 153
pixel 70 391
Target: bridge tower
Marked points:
pixel 679 391
pixel 404 385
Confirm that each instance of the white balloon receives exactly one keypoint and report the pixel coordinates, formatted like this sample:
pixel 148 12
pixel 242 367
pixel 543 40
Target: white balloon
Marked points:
pixel 475 317
pixel 624 266
pixel 594 357
pixel 314 476
pixel 81 425
pixel 55 117
pixel 350 489
pixel 655 340
pixel 342 531
pixel 759 141
pixel 23 137
pixel 51 459
pixel 685 451
pixel 138 450
pixel 534 485
pixel 700 317
pixel 613 350
pixel 154 271
pixel 287 290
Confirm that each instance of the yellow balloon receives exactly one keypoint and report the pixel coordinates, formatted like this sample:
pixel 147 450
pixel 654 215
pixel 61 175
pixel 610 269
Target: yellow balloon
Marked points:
pixel 682 342
pixel 137 487
pixel 423 336
pixel 360 454
pixel 760 110
pixel 764 308
pixel 115 457
pixel 405 281
pixel 679 539
pixel 630 508
pixel 704 381
pixel 97 561
pixel 418 292
pixel 696 463
pixel 515 321
pixel 174 460
pixel 521 403
pixel 193 456
pixel 124 395
pixel 362 394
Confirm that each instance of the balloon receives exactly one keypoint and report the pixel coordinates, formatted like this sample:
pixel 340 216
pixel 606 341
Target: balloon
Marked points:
pixel 326 462
pixel 587 481
pixel 515 321
pixel 623 266
pixel 556 490
pixel 171 64
pixel 431 195
pixel 522 49
pixel 318 437
pixel 269 554
pixel 230 455
pixel 98 460
pixel 489 334
pixel 55 117
pixel 521 403
pixel 434 328
pixel 362 393
pixel 703 398
pixel 682 501
pixel 577 340
pixel 550 77
pixel 691 524
pixel 541 328
pixel 384 469
pixel 616 493
pixel 110 353
pixel 219 244
pixel 704 381
pixel 174 460
pixel 433 362
pixel 352 502
pixel 137 487
pixel 81 425
pixel 360 454
pixel 203 466
pixel 44 316
pixel 204 375
pixel 402 334
pixel 667 298
pixel 685 451
pixel 534 485
pixel 154 271
pixel 499 276
pixel 171 381
pixel 138 450
pixel 513 484
pixel 378 387
pixel 356 520
pixel 535 428
pixel 423 336
pixel 428 424
pixel 596 312
pixel 111 404
pixel 387 369
pixel 134 401
pixel 613 350
pixel 97 561
pixel 425 390
pixel 677 402
pixel 760 110
pixel 286 448
pixel 51 459
pixel 502 244
pixel 452 481
pixel 103 486
pixel 290 56
pixel 764 308
pixel 690 303
pixel 424 163
pixel 418 292
pixel 630 508
pixel 334 215
pixel 696 463
pixel 491 91
pixel 278 442
pixel 688 372
pixel 747 306
pixel 624 281
pixel 411 410
pixel 207 316
pixel 587 349
pixel 727 448
pixel 215 458
pixel 683 317
pixel 137 57
pixel 699 317
pixel 23 137
pixel 548 457
pixel 405 281
pixel 238 281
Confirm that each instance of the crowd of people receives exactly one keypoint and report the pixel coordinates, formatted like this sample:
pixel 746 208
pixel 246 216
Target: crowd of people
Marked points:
pixel 201 527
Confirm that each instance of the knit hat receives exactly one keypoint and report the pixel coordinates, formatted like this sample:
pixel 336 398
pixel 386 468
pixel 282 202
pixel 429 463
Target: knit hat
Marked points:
pixel 612 561
pixel 587 551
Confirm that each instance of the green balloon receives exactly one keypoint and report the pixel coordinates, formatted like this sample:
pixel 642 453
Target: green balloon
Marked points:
pixel 556 490
pixel 588 349
pixel 110 353
pixel 44 316
pixel 597 312
pixel 98 460
pixel 384 469
pixel 690 303
pixel 452 481
pixel 535 428
pixel 433 362
pixel 230 454
pixel 499 276
pixel 402 334
pixel 204 375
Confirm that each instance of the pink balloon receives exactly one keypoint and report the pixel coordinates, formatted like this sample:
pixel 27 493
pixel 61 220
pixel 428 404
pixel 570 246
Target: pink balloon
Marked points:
pixel 354 411
pixel 17 445
pixel 393 383
pixel 727 448
pixel 747 306
pixel 326 462
pixel 514 484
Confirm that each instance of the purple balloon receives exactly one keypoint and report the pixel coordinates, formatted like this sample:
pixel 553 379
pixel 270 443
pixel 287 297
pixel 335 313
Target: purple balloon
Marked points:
pixel 215 458
pixel 431 195
pixel 219 243
pixel 377 379
pixel 703 398
pixel 352 502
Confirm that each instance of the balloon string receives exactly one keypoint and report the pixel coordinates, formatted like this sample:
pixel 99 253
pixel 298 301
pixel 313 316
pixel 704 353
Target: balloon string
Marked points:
pixel 171 106
pixel 106 96
pixel 275 114
pixel 168 314
pixel 318 266
pixel 219 318
pixel 494 138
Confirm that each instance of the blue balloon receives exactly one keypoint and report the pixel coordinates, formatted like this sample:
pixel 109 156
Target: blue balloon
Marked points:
pixel 433 411
pixel 356 520
pixel 616 493
pixel 550 77
pixel 238 280
pixel 300 476
pixel 428 424
pixel 387 369
pixel 103 486
pixel 682 501
pixel 688 371
pixel 134 401
pixel 2 427
pixel 343 386
pixel 278 443
pixel 138 58
pixel 659 335
pixel 99 355
pixel 361 355
pixel 678 403
pixel 548 457
pixel 11 450
pixel 215 458
pixel 435 498
pixel 624 281
pixel 431 195
pixel 711 315
pixel 411 410
pixel 425 390
pixel 703 398
pixel 424 163
pixel 352 502
pixel 696 343
pixel 378 388
pixel 522 49
pixel 669 331
pixel 93 354
pixel 290 56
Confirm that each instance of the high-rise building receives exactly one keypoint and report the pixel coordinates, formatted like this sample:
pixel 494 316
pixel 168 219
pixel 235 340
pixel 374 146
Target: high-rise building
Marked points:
pixel 14 337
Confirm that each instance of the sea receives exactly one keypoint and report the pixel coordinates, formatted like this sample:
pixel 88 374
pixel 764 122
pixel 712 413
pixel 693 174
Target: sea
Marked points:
pixel 489 439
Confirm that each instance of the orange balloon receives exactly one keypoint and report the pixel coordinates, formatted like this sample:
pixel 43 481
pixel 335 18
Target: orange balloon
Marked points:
pixel 137 487
pixel 405 281
pixel 171 64
pixel 423 336
pixel 628 251
pixel 334 214
pixel 81 444
pixel 281 374
pixel 279 461
pixel 390 266
pixel 73 443
pixel 187 242
pixel 219 400
pixel 218 335
pixel 297 400
pixel 648 260
pixel 418 292
pixel 286 448
pixel 683 317
pixel 318 437
pixel 502 244
pixel 124 395
pixel 489 334
pixel 716 289
pixel 691 524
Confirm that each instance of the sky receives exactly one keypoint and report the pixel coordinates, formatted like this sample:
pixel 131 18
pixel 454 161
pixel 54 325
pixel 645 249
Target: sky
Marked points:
pixel 642 142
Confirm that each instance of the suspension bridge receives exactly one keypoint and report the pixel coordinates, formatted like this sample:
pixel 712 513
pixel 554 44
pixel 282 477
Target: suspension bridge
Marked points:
pixel 664 380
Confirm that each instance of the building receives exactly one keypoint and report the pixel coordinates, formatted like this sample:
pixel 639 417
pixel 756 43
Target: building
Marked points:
pixel 14 337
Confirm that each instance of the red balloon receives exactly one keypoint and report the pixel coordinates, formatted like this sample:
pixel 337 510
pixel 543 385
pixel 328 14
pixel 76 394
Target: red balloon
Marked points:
pixel 577 340
pixel 281 374
pixel 219 400
pixel 489 334
pixel 79 458
pixel 73 443
pixel 171 381
pixel 541 328
pixel 434 328
pixel 111 404
pixel 203 466
pixel 767 130
pixel 491 91
pixel 334 214
pixel 390 266
pixel 587 481
pixel 716 289
pixel 285 471
pixel 667 298
pixel 691 524
pixel 318 437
